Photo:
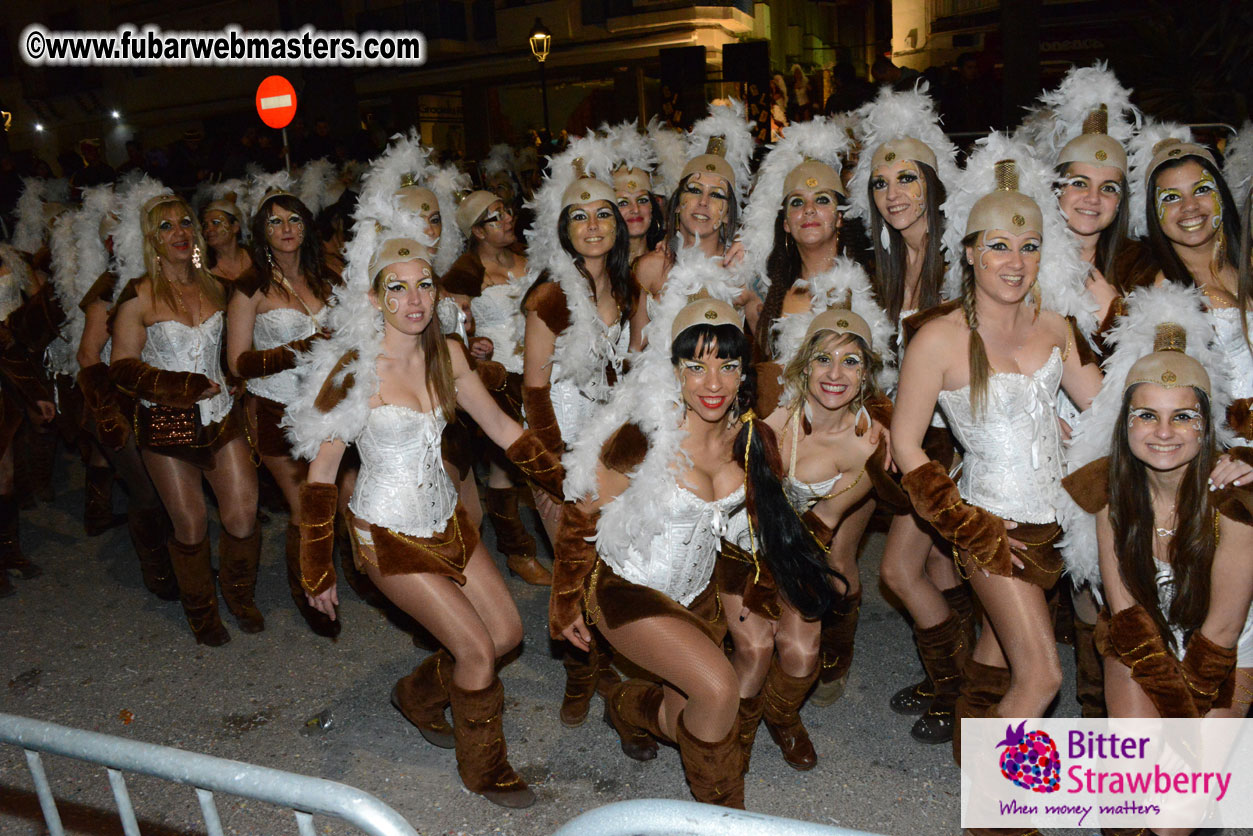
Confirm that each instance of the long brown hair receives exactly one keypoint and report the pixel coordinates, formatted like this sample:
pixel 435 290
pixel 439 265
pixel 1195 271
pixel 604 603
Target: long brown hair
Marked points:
pixel 1112 237
pixel 161 287
pixel 440 382
pixel 1192 549
pixel 312 257
pixel 889 272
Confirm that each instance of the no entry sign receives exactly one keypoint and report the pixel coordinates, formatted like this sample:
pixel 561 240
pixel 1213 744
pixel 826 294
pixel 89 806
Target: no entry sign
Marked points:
pixel 276 101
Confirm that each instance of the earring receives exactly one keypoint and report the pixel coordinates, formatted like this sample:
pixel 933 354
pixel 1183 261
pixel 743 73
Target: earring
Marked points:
pixel 269 256
pixel 884 239
pixel 195 257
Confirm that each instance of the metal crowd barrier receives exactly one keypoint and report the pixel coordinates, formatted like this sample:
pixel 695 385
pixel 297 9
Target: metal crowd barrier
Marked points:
pixel 650 817
pixel 304 795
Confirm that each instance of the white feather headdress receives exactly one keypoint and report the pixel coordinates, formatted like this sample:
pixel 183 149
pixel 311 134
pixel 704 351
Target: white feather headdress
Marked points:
pixel 648 395
pixel 128 236
pixel 845 285
pixel 1058 115
pixel 61 352
pixel 1139 155
pixel 671 147
pixel 316 183
pixel 93 257
pixel 499 158
pixel 406 158
pixel 893 115
pixel 631 148
pixel 262 184
pixel 1062 269
pixel 729 122
pixel 819 139
pixel 1132 338
pixel 1238 166
pixel 30 230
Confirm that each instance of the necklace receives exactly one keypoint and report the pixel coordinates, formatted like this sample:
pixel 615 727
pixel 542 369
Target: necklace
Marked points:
pixel 1164 532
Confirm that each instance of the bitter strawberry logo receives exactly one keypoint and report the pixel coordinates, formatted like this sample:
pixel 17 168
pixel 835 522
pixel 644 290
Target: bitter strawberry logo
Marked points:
pixel 1030 759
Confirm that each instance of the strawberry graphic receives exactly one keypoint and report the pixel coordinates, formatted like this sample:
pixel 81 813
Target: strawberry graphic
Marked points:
pixel 1030 759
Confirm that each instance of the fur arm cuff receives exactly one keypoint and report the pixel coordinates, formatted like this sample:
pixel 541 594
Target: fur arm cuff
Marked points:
pixel 541 418
pixel 574 557
pixel 538 463
pixel 268 361
pixel 181 390
pixel 1089 485
pixel 936 499
pixel 1210 672
pixel 112 428
pixel 318 502
pixel 1137 643
pixel 37 321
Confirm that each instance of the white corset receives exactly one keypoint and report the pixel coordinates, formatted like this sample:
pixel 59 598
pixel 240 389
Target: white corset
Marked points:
pixel 176 347
pixel 572 406
pixel 678 558
pixel 10 294
pixel 402 484
pixel 805 495
pixel 1234 349
pixel 272 329
pixel 498 316
pixel 1013 463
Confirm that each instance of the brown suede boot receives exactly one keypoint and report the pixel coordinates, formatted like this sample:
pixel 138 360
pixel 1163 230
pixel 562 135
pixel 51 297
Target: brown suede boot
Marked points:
pixel 422 697
pixel 482 760
pixel 512 538
pixel 982 688
pixel 836 654
pixel 149 529
pixel 238 558
pixel 1089 672
pixel 913 699
pixel 194 570
pixel 784 695
pixel 632 709
pixel 98 516
pixel 749 719
pixel 943 649
pixel 11 556
pixel 586 674
pixel 714 772
pixel 319 622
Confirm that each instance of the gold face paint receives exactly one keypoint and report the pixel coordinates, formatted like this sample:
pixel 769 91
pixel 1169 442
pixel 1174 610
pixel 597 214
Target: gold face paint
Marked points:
pixel 1207 186
pixel 902 179
pixel 1163 198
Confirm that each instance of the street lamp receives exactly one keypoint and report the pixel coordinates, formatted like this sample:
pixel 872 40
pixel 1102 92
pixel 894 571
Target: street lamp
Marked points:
pixel 541 41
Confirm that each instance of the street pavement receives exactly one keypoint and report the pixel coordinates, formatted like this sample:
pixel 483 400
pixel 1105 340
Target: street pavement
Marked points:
pixel 86 646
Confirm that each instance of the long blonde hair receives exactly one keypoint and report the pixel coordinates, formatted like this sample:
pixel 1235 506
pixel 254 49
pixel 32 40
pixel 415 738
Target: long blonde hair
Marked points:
pixel 162 289
pixel 796 374
pixel 439 377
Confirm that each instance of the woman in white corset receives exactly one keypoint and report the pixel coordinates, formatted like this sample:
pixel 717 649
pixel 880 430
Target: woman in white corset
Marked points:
pixel 275 310
pixel 390 394
pixel 899 184
pixel 994 364
pixel 662 471
pixel 167 343
pixel 1194 232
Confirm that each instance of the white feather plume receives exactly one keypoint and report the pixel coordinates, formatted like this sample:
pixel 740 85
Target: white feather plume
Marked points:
pixel 845 285
pixel 28 233
pixel 1139 155
pixel 128 236
pixel 1238 167
pixel 499 158
pixel 314 186
pixel 818 139
pixel 892 115
pixel 1132 338
pixel 1062 268
pixel 671 147
pixel 648 395
pixel 1058 115
pixel 61 353
pixel 93 257
pixel 729 122
pixel 630 147
pixel 261 184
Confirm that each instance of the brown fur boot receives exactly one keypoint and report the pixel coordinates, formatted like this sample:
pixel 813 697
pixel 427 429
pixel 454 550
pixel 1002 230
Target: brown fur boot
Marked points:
pixel 194 570
pixel 836 654
pixel 632 709
pixel 512 538
pixel 482 761
pixel 943 649
pixel 319 622
pixel 1089 672
pixel 149 529
pixel 982 687
pixel 962 603
pixel 423 695
pixel 586 674
pixel 784 695
pixel 714 772
pixel 238 558
pixel 751 709
pixel 98 516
